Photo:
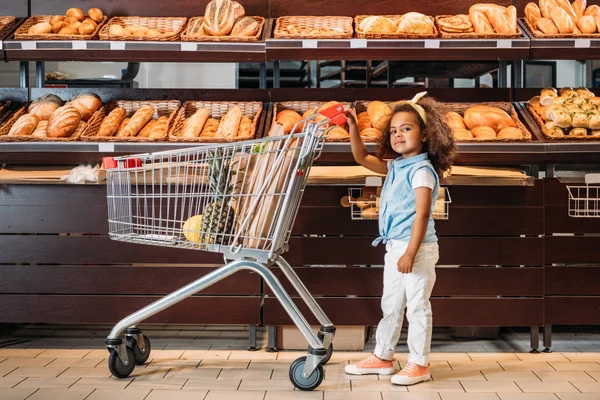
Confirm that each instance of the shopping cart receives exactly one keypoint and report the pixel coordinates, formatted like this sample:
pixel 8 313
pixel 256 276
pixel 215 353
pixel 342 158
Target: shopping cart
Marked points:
pixel 239 199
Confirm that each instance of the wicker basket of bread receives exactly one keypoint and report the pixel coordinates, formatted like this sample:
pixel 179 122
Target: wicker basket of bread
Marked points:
pixel 74 25
pixel 245 29
pixel 567 114
pixel 408 26
pixel 132 121
pixel 5 24
pixel 484 21
pixel 48 120
pixel 161 29
pixel 562 19
pixel 216 122
pixel 289 113
pixel 306 27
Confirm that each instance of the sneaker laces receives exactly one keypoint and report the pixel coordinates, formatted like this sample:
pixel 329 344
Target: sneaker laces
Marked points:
pixel 410 367
pixel 366 360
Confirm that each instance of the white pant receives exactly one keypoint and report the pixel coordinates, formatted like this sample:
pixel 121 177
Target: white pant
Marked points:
pixel 410 291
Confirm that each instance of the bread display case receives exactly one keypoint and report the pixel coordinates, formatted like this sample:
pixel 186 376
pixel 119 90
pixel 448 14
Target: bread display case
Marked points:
pixel 499 243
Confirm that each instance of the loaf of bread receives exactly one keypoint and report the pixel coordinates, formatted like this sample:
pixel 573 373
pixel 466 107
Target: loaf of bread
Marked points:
pixel 338 133
pixel 24 126
pixel 238 10
pixel 245 26
pixel 510 133
pixel 455 121
pixel 562 20
pixel 548 96
pixel 554 130
pixel 363 121
pixel 138 121
pixel 76 13
pixel 587 24
pixel 592 10
pixel 500 22
pixel 379 115
pixel 123 125
pixel 40 29
pixel 193 125
pixel 579 8
pixel 566 5
pixel 64 122
pixel 145 132
pixel 415 23
pixel 480 23
pixel 230 123
pixel 87 104
pixel 111 123
pixel 377 24
pixel 462 134
pixel 219 17
pixel 371 134
pixel 210 128
pixel 578 132
pixel 546 6
pixel 532 13
pixel 546 26
pixel 580 120
pixel 483 133
pixel 44 107
pixel 288 118
pixel 492 117
pixel 160 128
pixel 41 130
pixel 96 14
pixel 245 129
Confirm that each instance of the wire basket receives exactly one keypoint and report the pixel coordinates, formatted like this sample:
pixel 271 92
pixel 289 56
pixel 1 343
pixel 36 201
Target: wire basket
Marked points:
pixel 584 200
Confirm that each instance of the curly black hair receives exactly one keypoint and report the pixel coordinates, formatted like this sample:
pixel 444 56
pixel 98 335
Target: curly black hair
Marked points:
pixel 439 146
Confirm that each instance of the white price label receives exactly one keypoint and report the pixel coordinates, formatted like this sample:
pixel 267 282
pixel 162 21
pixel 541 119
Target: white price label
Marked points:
pixel 503 44
pixel 310 44
pixel 29 45
pixel 358 43
pixel 373 181
pixel 106 147
pixel 79 45
pixel 583 43
pixel 187 46
pixel 117 45
pixel 432 44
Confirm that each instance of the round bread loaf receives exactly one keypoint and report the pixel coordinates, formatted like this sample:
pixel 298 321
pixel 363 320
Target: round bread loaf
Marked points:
pixel 96 14
pixel 483 133
pixel 493 117
pixel 245 26
pixel 87 104
pixel 462 134
pixel 379 115
pixel 338 133
pixel 64 122
pixel 510 133
pixel 377 24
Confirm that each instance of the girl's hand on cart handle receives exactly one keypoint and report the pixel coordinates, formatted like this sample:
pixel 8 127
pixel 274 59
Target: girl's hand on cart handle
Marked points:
pixel 405 264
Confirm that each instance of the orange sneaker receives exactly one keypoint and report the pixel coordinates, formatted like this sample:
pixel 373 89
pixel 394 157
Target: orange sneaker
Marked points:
pixel 371 365
pixel 411 373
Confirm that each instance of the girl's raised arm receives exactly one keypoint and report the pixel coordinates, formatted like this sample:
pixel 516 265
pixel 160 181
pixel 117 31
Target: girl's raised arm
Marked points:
pixel 359 150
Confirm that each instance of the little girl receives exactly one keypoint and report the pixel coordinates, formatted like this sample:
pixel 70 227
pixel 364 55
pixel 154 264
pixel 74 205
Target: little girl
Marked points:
pixel 419 147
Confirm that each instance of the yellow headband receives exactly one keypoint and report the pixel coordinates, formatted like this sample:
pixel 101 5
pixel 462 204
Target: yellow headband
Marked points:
pixel 413 103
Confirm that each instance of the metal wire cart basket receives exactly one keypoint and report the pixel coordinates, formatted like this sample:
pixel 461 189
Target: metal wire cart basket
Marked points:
pixel 239 199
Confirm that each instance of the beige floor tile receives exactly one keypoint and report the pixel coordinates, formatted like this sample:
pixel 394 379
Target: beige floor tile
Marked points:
pixel 102 383
pixel 166 354
pixel 48 383
pixel 493 357
pixel 5 370
pixel 546 387
pixel 205 355
pixel 15 394
pixel 283 373
pixel 376 386
pixel 113 394
pixel 526 365
pixel 259 364
pixel 252 355
pixel 212 384
pixel 266 384
pixel 542 357
pixel 350 395
pixel 55 353
pixel 345 356
pixel 511 376
pixel 475 365
pixel 78 363
pixel 177 395
pixel 411 396
pixel 174 363
pixel 26 362
pixel 594 374
pixel 234 395
pixel 21 353
pixel 456 357
pixel 341 374
pixel 437 366
pixel 563 376
pixel 574 366
pixel 297 395
pixel 585 387
pixel 489 387
pixel 577 396
pixel 97 354
pixel 163 384
pixel 37 372
pixel 457 375
pixel 469 396
pixel 292 355
pixel 150 374
pixel 527 396
pixel 583 357
pixel 194 373
pixel 86 372
pixel 335 385
pixel 438 386
pixel 62 394
pixel 223 364
pixel 238 373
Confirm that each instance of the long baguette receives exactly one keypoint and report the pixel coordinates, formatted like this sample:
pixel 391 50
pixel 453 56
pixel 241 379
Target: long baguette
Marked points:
pixel 138 121
pixel 194 124
pixel 159 130
pixel 123 125
pixel 111 123
pixel 230 123
pixel 145 132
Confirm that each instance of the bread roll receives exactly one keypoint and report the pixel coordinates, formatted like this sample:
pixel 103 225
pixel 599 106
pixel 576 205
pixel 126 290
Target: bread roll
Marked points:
pixel 40 29
pixel 562 20
pixel 110 124
pixel 492 117
pixel 581 132
pixel 546 26
pixel 548 96
pixel 579 8
pixel 41 130
pixel 500 22
pixel 379 115
pixel 338 133
pixel 96 14
pixel 566 5
pixel 594 120
pixel 580 120
pixel 193 125
pixel 57 18
pixel 116 30
pixel 160 128
pixel 87 104
pixel 363 121
pixel 371 134
pixel 67 30
pixel 219 17
pixel 462 134
pixel 592 10
pixel 57 26
pixel 245 129
pixel 64 122
pixel 587 24
pixel 86 28
pixel 230 123
pixel 532 13
pixel 123 125
pixel 561 118
pixel 24 126
pixel 210 128
pixel 510 133
pixel 76 13
pixel 138 121
pixel 415 23
pixel 288 118
pixel 455 121
pixel 145 132
pixel 377 24
pixel 480 23
pixel 483 133
pixel 245 26
pixel 310 112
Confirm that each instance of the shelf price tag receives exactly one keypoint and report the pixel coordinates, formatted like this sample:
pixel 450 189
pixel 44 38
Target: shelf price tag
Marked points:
pixel 583 43
pixel 432 44
pixel 79 45
pixel 310 43
pixel 106 147
pixel 28 45
pixel 503 43
pixel 358 43
pixel 187 46
pixel 117 45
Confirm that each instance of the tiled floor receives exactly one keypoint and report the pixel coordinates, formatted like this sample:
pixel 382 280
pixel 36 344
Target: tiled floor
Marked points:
pixel 211 363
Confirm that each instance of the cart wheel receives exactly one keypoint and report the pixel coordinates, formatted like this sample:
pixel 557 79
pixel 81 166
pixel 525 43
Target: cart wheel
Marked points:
pixel 140 356
pixel 116 366
pixel 327 355
pixel 299 381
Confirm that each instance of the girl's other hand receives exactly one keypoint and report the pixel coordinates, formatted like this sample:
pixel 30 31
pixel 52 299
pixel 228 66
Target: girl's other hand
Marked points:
pixel 405 264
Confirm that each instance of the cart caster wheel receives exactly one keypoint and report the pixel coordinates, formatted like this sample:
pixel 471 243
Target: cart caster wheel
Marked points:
pixel 299 381
pixel 140 356
pixel 116 366
pixel 327 356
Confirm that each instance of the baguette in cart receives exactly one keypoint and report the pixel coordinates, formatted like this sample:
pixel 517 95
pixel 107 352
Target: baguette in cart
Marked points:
pixel 239 199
